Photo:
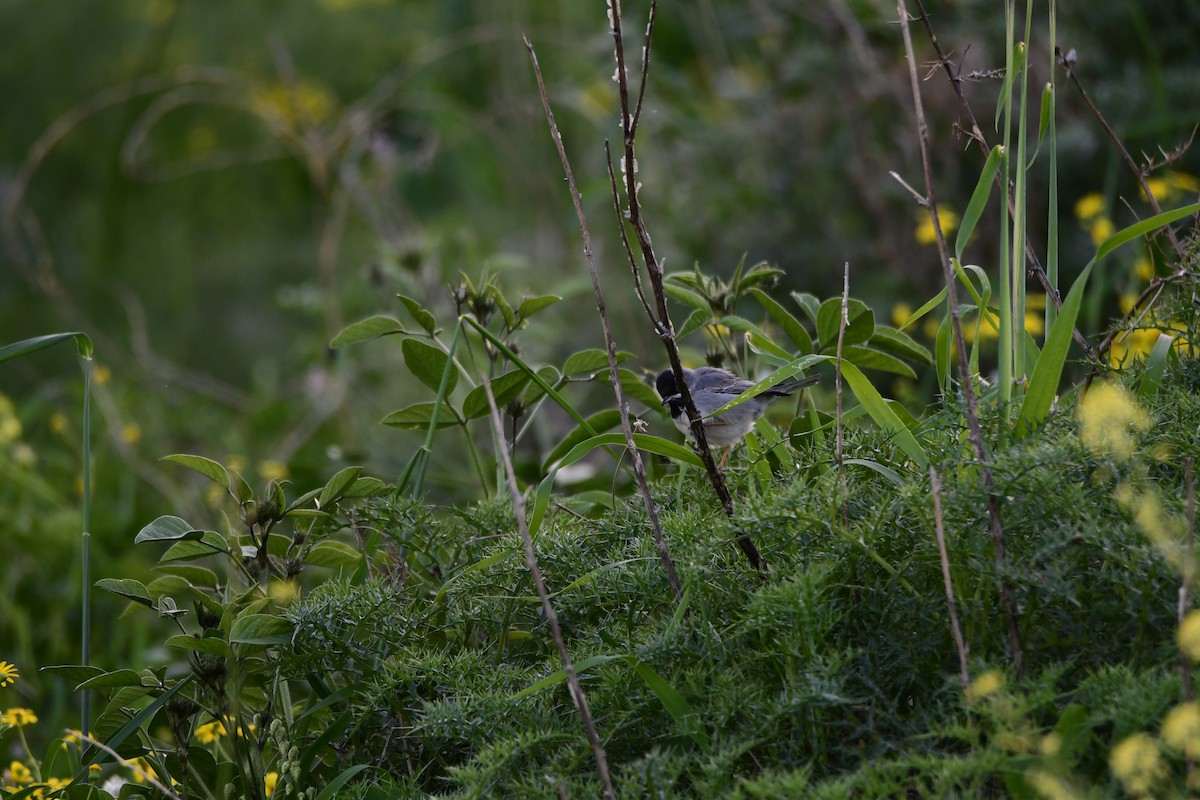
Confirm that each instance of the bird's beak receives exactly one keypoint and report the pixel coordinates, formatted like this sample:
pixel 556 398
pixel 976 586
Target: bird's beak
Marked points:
pixel 669 399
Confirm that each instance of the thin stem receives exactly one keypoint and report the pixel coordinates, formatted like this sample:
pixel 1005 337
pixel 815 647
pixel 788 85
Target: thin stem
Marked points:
pixel 1189 574
pixel 1069 65
pixel 661 318
pixel 845 320
pixel 967 383
pixel 936 490
pixel 535 572
pixel 639 469
pixel 86 561
pixel 977 136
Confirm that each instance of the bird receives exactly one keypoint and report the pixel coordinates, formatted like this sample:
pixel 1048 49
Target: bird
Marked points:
pixel 713 387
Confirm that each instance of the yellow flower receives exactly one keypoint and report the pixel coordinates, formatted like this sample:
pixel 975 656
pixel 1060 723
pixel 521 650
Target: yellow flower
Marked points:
pixel 1137 342
pixel 1035 323
pixel 58 422
pixel 210 732
pixel 1126 301
pixel 24 455
pixel 1036 301
pixel 283 592
pixel 1107 414
pixel 987 684
pixel 131 433
pixel 141 769
pixel 10 427
pixel 271 779
pixel 1144 269
pixel 19 773
pixel 1088 206
pixel 1100 230
pixel 235 463
pixel 1189 635
pixel 900 313
pixel 1181 729
pixel 272 470
pixel 19 717
pixel 1158 188
pixel 306 103
pixel 101 374
pixel 1183 182
pixel 8 673
pixel 1050 786
pixel 1137 763
pixel 925 233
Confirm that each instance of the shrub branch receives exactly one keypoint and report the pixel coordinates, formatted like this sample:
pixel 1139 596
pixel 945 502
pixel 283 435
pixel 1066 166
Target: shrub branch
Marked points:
pixel 660 318
pixel 535 572
pixel 639 468
pixel 967 383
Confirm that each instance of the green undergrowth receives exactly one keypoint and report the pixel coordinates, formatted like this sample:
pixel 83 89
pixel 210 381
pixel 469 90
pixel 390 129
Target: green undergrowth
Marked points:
pixel 835 675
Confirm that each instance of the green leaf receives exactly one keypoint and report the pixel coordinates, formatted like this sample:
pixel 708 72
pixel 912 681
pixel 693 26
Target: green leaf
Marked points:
pixel 809 303
pixel 197 576
pixel 899 343
pixel 859 328
pixel 26 346
pixel 600 421
pixel 531 305
pixel 112 680
pixel 428 363
pixel 635 388
pixel 167 529
pixel 332 554
pixel 336 486
pixel 417 417
pixel 1047 111
pixel 505 388
pixel 784 319
pixel 209 543
pixel 979 198
pixel 687 297
pixel 205 466
pixel 419 314
pixel 866 358
pixel 1156 364
pixel 883 415
pixel 264 629
pixel 365 487
pixel 127 588
pixel 886 472
pixel 366 330
pixel 506 310
pixel 331 790
pixel 210 644
pixel 675 703
pixel 588 362
pixel 74 674
pixel 1146 226
pixel 560 676
pixel 1043 384
pixel 694 322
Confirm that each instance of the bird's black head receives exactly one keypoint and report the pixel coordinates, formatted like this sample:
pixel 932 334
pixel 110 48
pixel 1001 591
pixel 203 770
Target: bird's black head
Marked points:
pixel 668 390
pixel 665 383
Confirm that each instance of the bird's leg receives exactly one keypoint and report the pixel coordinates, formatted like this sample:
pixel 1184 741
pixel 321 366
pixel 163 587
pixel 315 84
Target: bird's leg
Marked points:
pixel 725 455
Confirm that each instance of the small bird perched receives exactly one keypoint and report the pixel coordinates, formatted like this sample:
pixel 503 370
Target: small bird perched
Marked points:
pixel 711 388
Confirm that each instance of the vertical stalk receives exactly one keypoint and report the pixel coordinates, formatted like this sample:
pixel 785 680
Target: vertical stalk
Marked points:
pixel 86 562
pixel 1020 190
pixel 1052 214
pixel 1008 261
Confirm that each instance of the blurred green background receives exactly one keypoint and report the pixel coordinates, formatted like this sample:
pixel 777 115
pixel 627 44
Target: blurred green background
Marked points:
pixel 212 190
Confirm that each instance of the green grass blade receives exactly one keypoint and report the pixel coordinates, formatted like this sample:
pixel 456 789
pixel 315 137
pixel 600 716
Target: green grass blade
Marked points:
pixel 27 346
pixel 1156 364
pixel 675 703
pixel 884 417
pixel 979 198
pixel 1140 229
pixel 1043 385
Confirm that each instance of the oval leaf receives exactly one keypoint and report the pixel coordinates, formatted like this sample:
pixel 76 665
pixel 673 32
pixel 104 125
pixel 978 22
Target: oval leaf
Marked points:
pixel 333 554
pixel 884 417
pixel 419 314
pixel 211 645
pixel 366 330
pixel 336 486
pixel 784 319
pixel 417 417
pixel 167 529
pixel 127 588
pixel 205 466
pixel 260 629
pixel 505 388
pixel 531 305
pixel 428 364
pixel 859 328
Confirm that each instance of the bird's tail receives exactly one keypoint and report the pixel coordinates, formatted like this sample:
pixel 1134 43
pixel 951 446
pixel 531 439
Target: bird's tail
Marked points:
pixel 787 387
